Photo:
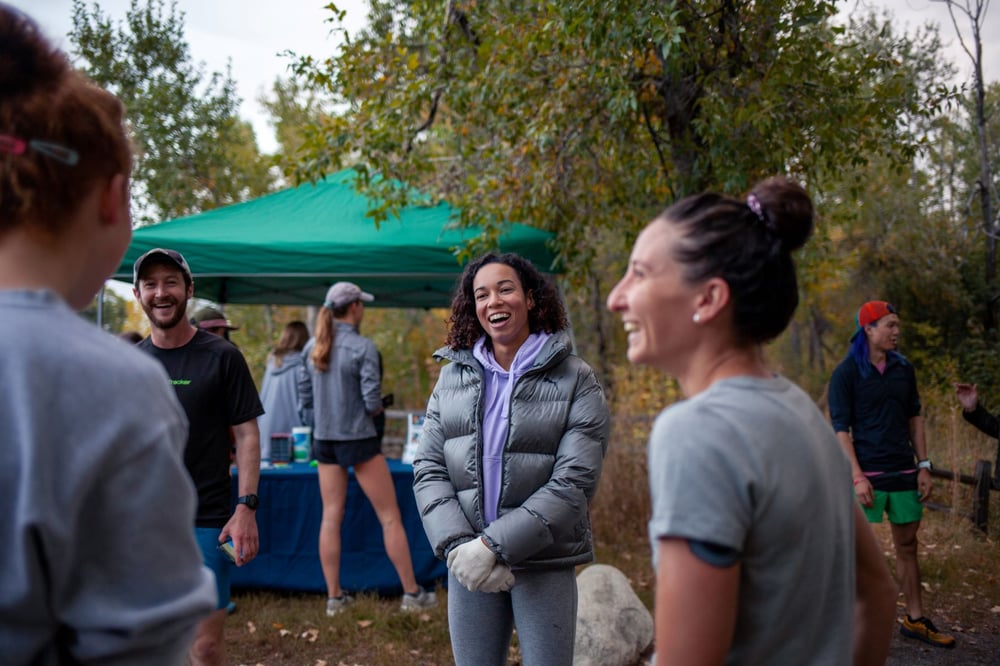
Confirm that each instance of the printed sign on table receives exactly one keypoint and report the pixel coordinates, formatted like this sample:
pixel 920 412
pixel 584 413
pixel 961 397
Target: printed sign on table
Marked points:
pixel 414 426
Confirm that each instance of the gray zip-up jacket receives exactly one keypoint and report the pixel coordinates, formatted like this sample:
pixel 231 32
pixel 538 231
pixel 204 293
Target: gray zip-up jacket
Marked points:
pixel 342 399
pixel 556 441
pixel 280 397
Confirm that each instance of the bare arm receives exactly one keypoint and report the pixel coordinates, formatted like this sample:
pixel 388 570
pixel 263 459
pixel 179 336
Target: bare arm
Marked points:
pixel 695 607
pixel 875 603
pixel 924 484
pixel 917 436
pixel 862 487
pixel 242 526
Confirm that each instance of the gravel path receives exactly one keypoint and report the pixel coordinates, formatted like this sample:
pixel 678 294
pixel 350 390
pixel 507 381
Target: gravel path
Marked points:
pixel 970 650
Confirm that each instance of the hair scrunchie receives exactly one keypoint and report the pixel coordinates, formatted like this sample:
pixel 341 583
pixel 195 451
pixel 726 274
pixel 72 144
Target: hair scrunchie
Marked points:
pixel 753 203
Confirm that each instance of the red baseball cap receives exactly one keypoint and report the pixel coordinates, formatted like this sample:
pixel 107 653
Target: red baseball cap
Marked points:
pixel 871 312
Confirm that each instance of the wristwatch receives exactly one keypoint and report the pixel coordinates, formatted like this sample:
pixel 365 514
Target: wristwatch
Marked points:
pixel 251 501
pixel 925 464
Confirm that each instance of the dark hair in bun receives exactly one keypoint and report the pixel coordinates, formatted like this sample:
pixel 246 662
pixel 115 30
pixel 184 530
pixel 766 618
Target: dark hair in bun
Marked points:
pixel 748 244
pixel 45 102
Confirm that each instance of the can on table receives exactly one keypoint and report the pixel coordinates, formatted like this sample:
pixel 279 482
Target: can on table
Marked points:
pixel 281 448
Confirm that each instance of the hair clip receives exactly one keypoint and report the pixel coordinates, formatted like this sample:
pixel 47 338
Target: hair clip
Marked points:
pixel 15 146
pixel 753 203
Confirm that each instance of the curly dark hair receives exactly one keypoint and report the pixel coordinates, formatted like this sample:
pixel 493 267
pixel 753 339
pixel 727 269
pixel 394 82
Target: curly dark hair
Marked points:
pixel 548 315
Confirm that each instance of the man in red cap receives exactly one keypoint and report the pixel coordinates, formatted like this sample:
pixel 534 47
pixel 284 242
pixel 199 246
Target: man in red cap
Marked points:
pixel 875 409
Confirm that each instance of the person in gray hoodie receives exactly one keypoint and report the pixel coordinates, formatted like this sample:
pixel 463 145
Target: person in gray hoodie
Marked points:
pixel 279 389
pixel 510 455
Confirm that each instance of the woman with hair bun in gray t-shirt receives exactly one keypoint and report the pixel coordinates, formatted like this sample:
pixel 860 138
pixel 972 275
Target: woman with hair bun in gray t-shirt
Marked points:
pixel 758 544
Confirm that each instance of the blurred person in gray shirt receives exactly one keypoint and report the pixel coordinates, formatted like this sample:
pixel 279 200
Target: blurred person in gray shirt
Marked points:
pixel 98 563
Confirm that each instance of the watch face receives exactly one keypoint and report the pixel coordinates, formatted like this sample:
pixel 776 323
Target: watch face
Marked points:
pixel 250 500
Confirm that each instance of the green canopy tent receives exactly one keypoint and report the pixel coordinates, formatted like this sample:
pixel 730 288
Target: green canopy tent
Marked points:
pixel 287 248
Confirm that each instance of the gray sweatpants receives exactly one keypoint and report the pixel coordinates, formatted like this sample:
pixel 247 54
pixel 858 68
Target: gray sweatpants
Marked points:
pixel 541 605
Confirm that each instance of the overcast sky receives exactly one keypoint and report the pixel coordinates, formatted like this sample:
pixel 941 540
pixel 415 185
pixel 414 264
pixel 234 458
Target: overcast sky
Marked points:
pixel 250 33
pixel 253 32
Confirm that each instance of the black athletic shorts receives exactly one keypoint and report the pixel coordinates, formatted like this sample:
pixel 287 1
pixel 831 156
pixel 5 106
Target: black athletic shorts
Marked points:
pixel 346 452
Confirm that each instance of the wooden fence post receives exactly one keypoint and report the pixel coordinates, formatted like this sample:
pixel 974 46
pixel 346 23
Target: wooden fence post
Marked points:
pixel 981 482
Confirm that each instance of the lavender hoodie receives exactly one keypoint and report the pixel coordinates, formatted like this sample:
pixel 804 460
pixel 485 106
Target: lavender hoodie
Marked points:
pixel 498 385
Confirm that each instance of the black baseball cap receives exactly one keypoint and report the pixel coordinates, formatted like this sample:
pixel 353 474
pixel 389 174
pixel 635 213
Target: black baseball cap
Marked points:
pixel 173 256
pixel 212 318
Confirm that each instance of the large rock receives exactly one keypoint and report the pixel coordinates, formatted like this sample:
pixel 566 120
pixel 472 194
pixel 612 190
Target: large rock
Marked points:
pixel 613 627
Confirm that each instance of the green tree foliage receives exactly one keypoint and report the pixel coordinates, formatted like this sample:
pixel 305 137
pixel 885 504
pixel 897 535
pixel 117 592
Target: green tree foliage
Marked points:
pixel 193 151
pixel 974 12
pixel 965 147
pixel 114 311
pixel 586 118
pixel 911 235
pixel 296 113
pixel 407 339
pixel 570 115
pixel 956 164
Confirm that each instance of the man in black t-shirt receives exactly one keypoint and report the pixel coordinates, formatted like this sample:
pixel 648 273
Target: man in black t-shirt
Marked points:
pixel 875 411
pixel 214 385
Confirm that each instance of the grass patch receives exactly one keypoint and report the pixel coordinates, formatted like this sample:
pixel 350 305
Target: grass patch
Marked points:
pixel 272 628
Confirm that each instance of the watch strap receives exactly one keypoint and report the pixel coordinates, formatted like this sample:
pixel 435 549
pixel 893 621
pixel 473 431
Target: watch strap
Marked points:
pixel 251 501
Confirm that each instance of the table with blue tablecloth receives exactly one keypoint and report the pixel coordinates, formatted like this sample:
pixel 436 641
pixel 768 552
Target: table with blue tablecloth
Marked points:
pixel 288 522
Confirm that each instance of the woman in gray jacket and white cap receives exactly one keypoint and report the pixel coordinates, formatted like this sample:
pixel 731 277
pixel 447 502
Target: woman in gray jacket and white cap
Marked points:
pixel 341 384
pixel 509 459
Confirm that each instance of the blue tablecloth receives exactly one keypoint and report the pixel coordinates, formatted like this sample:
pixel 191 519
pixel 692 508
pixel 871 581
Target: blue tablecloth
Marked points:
pixel 288 522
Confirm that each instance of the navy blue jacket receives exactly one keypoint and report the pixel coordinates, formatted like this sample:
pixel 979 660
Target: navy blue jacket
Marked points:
pixel 876 411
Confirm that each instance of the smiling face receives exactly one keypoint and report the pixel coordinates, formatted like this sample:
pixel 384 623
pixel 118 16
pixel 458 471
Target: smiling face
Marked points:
pixel 163 294
pixel 501 305
pixel 883 335
pixel 655 303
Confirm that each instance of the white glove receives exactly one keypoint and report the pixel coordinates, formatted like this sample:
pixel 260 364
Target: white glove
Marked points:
pixel 471 563
pixel 501 579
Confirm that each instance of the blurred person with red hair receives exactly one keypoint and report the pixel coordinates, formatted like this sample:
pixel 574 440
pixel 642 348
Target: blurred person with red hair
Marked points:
pixel 99 563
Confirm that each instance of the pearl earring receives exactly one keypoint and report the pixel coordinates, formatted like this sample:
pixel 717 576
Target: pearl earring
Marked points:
pixel 696 317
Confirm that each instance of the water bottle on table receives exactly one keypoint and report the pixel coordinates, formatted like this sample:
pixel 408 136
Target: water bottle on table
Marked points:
pixel 302 444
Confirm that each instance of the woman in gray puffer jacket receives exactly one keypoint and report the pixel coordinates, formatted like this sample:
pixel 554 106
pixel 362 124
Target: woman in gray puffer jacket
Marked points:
pixel 509 459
